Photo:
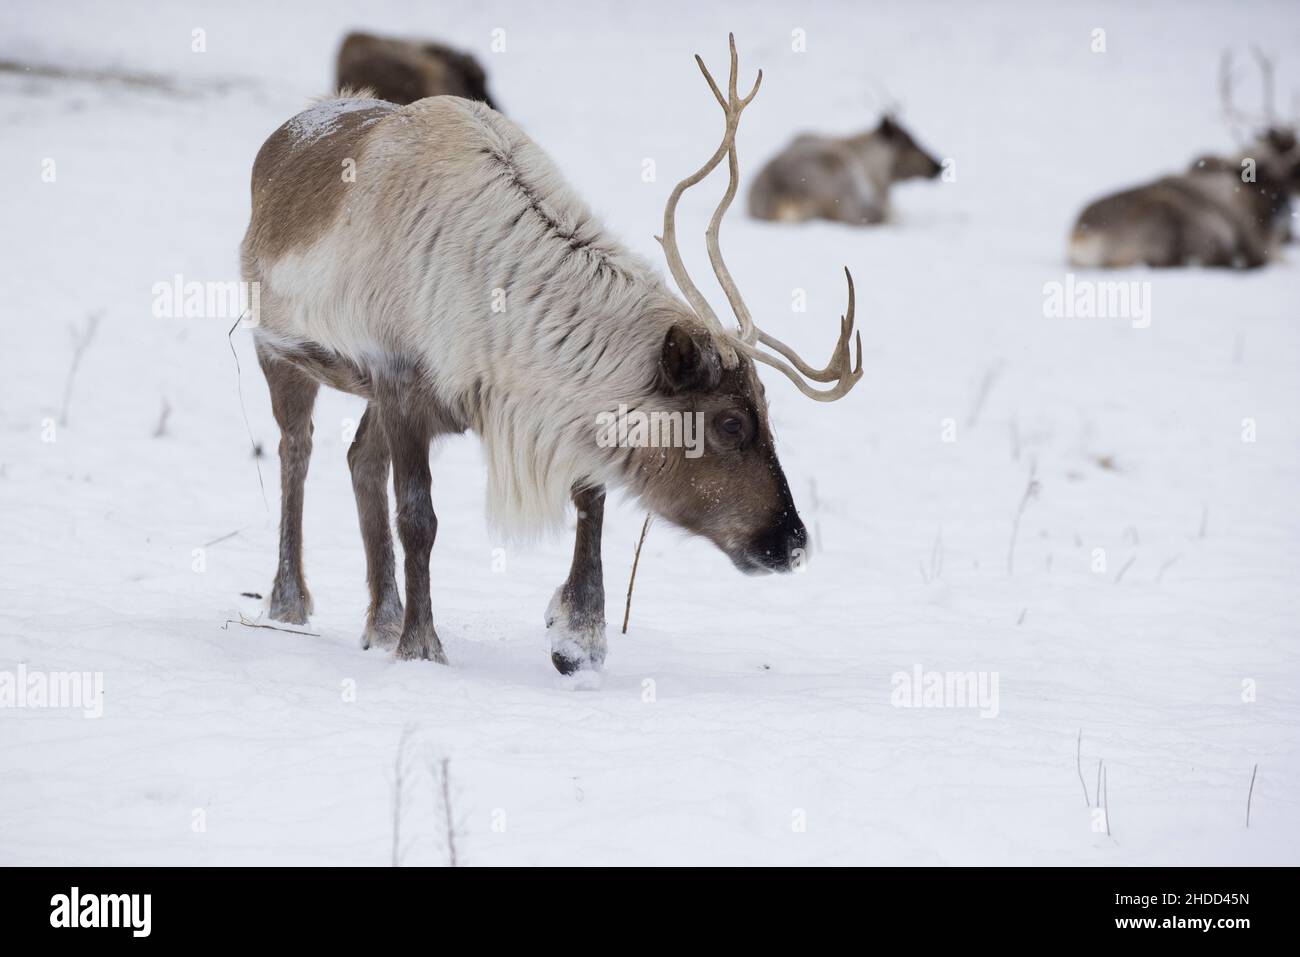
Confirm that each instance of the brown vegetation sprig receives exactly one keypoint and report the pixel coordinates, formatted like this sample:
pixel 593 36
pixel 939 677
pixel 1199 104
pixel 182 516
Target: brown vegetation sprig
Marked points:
pixel 636 560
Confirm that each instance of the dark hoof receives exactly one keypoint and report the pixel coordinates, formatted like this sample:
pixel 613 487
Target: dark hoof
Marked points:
pixel 564 664
pixel 384 626
pixel 290 603
pixel 290 614
pixel 420 645
pixel 381 636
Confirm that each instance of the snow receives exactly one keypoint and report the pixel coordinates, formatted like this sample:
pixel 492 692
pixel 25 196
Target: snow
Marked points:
pixel 741 720
pixel 323 118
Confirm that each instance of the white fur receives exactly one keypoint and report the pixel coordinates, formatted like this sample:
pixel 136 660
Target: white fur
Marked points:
pixel 1087 250
pixel 369 290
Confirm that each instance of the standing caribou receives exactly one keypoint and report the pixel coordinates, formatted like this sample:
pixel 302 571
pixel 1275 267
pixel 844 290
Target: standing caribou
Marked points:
pixel 385 286
pixel 1223 211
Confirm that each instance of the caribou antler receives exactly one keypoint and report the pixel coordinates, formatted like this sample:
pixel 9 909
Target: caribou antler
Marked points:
pixel 1230 113
pixel 748 337
pixel 1267 72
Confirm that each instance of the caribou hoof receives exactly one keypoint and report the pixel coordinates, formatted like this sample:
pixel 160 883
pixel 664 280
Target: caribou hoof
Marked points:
pixel 420 644
pixel 290 603
pixel 384 626
pixel 383 636
pixel 577 638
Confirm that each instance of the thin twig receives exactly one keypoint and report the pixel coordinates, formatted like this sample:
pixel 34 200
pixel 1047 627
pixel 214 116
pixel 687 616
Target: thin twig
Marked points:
pixel 1031 489
pixel 1168 564
pixel 397 795
pixel 80 342
pixel 1127 565
pixel 444 780
pixel 936 560
pixel 1251 794
pixel 1099 782
pixel 161 428
pixel 981 396
pixel 217 541
pixel 1105 800
pixel 936 555
pixel 252 624
pixel 239 385
pixel 815 503
pixel 636 560
pixel 1078 766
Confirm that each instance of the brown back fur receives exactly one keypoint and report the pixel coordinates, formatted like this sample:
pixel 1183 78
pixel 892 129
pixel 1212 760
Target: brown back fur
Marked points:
pixel 403 71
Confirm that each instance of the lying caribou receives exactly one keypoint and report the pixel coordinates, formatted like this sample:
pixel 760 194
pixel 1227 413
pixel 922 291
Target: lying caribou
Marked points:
pixel 388 287
pixel 1223 211
pixel 846 180
pixel 403 71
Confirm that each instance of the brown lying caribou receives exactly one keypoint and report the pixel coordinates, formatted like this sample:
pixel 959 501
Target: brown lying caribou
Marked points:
pixel 458 284
pixel 403 71
pixel 1223 211
pixel 844 179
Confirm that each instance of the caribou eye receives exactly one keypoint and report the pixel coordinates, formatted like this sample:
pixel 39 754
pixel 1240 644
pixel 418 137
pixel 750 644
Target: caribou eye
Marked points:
pixel 732 425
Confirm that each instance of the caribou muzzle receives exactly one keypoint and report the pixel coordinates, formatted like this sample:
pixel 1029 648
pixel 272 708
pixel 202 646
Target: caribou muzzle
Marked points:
pixel 780 548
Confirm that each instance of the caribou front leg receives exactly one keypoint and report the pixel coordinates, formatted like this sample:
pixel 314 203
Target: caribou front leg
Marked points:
pixel 575 617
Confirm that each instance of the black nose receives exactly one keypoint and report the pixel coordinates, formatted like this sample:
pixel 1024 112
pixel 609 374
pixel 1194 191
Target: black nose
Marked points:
pixel 782 547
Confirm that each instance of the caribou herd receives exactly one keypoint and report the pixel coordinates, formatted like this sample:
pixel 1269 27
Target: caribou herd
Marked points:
pixel 1229 211
pixel 462 285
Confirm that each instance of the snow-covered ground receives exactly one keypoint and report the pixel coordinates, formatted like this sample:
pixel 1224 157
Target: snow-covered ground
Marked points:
pixel 741 720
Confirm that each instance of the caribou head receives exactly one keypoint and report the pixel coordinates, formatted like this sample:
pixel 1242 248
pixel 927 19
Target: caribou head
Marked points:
pixel 1272 140
pixel 735 493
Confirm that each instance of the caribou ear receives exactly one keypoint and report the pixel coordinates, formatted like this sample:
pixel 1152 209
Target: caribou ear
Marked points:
pixel 688 364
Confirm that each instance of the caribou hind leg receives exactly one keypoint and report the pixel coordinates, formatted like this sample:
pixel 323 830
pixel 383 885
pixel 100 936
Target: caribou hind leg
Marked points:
pixel 575 616
pixel 409 432
pixel 293 394
pixel 368 459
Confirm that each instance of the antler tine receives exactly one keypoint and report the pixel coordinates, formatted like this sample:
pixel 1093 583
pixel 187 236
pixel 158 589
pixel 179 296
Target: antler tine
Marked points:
pixel 845 375
pixel 669 238
pixel 722 101
pixel 1225 83
pixel 1266 68
pixel 748 330
pixel 842 370
pixel 740 103
pixel 733 106
pixel 844 381
pixel 832 371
